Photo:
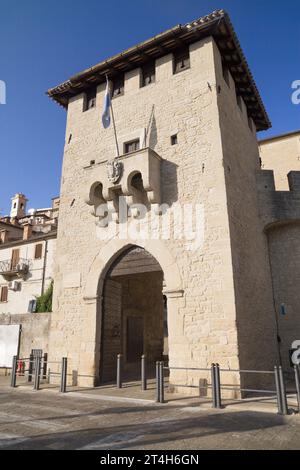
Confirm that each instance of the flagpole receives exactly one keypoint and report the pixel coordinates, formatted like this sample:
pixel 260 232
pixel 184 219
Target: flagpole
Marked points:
pixel 113 120
pixel 114 126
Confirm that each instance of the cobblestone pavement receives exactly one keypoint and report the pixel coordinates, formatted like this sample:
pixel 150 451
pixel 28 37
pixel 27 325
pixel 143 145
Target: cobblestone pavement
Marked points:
pixel 49 420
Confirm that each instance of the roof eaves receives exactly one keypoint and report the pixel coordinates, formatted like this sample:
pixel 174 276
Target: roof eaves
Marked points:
pixel 216 24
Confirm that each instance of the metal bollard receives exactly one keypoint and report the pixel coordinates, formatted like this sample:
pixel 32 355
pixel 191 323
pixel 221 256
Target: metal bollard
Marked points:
pixel 157 367
pixel 143 373
pixel 14 371
pixel 37 372
pixel 278 390
pixel 297 381
pixel 30 368
pixel 119 371
pixel 283 392
pixel 213 386
pixel 218 386
pixel 63 377
pixel 45 359
pixel 162 383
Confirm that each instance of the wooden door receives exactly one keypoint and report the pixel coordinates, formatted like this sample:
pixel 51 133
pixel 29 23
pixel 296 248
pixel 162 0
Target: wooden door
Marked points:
pixel 135 338
pixel 111 330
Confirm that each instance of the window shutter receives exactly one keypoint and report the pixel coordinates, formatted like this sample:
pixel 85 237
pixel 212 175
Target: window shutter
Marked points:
pixel 15 258
pixel 4 294
pixel 38 251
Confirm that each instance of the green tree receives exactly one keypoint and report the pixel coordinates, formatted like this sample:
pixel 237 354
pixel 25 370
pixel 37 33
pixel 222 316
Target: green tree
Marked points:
pixel 44 301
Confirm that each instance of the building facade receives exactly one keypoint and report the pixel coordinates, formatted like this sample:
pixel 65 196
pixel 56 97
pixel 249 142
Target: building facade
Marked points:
pixel 27 248
pixel 186 113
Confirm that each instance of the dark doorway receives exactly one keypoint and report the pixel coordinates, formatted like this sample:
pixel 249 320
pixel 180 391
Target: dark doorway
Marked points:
pixel 133 317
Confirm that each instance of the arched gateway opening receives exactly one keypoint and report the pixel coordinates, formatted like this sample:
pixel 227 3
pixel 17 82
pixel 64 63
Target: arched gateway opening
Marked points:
pixel 133 314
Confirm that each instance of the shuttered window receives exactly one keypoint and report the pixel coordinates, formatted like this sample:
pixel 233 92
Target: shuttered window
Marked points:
pixel 15 257
pixel 4 294
pixel 38 251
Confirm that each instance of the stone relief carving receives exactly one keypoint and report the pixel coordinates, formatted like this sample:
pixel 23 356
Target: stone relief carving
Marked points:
pixel 114 170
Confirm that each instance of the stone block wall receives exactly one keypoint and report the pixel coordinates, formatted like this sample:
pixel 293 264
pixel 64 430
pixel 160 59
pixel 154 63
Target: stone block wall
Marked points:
pixel 284 249
pixel 34 330
pixel 255 318
pixel 202 320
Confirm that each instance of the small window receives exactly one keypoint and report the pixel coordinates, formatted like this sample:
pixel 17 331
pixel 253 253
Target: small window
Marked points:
pixel 90 99
pixel 174 139
pixel 118 86
pixel 148 74
pixel 181 60
pixel 132 146
pixel 4 294
pixel 38 251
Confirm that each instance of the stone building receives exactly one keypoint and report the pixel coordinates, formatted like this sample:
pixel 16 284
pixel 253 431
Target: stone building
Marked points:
pixel 27 247
pixel 186 111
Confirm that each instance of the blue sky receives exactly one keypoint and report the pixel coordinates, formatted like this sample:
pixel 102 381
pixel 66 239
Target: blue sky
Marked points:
pixel 42 43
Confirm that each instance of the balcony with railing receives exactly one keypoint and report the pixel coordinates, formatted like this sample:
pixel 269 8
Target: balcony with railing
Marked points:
pixel 10 268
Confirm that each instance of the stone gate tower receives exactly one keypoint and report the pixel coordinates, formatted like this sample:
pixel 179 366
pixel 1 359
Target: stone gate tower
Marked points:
pixel 186 111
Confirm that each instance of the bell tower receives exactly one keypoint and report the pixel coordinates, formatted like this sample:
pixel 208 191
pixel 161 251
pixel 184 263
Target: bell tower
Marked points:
pixel 18 206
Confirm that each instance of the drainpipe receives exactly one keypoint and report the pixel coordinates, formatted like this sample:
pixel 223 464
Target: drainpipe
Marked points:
pixel 44 267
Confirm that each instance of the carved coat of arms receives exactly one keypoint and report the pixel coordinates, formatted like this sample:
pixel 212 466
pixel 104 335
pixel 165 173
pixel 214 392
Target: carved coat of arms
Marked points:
pixel 114 170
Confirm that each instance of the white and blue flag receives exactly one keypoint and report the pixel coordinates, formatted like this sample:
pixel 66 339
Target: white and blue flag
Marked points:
pixel 106 107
